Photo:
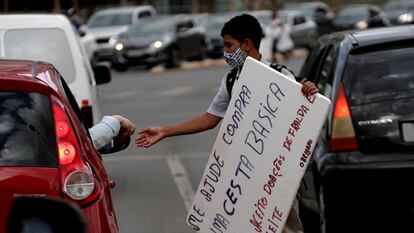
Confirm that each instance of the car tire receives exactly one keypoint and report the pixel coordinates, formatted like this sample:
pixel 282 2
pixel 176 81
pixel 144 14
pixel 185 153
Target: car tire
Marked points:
pixel 173 59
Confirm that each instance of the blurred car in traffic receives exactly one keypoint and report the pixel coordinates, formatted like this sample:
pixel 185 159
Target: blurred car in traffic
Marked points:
pixel 400 12
pixel 51 38
pixel 88 41
pixel 111 22
pixel 45 150
pixel 304 31
pixel 360 175
pixel 360 16
pixel 163 40
pixel 319 12
pixel 213 23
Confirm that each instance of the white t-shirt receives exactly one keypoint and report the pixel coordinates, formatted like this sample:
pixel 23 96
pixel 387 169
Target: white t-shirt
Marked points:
pixel 221 101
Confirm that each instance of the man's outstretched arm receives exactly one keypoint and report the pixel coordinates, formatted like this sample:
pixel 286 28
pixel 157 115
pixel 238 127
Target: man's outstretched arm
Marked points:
pixel 148 136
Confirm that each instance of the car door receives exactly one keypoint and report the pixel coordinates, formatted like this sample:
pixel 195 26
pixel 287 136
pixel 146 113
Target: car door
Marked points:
pixel 321 68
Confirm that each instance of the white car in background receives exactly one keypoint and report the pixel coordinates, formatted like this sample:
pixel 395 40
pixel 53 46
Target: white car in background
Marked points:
pixel 304 31
pixel 51 38
pixel 109 23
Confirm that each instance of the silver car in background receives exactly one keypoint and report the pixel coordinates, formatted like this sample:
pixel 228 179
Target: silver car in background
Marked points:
pixel 111 22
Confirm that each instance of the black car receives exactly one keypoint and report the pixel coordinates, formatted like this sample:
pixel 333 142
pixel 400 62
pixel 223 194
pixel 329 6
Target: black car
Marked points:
pixel 361 175
pixel 165 40
pixel 213 23
pixel 360 16
pixel 400 12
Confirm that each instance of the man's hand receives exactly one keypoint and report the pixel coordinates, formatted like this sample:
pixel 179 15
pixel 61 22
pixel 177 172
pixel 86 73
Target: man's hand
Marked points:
pixel 308 88
pixel 149 136
pixel 127 129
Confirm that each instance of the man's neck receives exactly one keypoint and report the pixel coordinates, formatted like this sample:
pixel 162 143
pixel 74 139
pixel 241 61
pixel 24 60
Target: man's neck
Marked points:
pixel 256 55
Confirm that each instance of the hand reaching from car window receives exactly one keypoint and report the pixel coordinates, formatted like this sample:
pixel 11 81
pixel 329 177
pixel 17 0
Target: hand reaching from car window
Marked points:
pixel 127 129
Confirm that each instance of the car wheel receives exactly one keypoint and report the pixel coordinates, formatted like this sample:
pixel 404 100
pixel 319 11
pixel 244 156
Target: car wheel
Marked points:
pixel 173 59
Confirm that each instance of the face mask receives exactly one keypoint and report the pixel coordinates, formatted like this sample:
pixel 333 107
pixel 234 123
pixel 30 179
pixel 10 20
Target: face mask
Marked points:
pixel 236 58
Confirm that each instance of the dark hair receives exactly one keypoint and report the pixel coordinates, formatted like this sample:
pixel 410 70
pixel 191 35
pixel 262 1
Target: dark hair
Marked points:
pixel 243 27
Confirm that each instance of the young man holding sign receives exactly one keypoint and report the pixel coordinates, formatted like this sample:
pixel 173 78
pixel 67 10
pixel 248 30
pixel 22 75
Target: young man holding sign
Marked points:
pixel 241 38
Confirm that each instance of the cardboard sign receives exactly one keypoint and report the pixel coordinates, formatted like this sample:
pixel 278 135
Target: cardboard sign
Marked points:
pixel 260 154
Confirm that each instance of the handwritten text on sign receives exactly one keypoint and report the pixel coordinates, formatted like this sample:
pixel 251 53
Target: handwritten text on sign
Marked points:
pixel 260 154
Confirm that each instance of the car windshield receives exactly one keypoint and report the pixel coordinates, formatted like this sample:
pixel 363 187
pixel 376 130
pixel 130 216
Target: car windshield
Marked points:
pixel 283 17
pixel 113 19
pixel 27 136
pixel 49 45
pixel 399 5
pixel 351 12
pixel 307 10
pixel 380 76
pixel 150 27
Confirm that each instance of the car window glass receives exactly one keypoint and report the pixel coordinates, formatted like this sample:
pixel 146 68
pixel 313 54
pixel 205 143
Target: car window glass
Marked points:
pixel 144 14
pixel 298 20
pixel 49 45
pixel 72 101
pixel 114 19
pixel 380 76
pixel 326 73
pixel 27 133
pixel 151 27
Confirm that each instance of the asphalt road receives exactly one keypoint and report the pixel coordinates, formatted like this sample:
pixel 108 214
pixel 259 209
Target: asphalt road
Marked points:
pixel 155 186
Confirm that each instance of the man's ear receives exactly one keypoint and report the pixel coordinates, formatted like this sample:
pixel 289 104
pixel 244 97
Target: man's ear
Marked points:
pixel 248 45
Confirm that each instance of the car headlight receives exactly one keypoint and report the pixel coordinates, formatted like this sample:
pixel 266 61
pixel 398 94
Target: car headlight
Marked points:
pixel 119 47
pixel 405 18
pixel 157 44
pixel 361 24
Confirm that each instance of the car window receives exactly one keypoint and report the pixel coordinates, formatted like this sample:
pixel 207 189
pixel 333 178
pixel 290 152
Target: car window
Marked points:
pixel 380 76
pixel 114 19
pixel 49 45
pixel 326 73
pixel 298 20
pixel 144 14
pixel 27 134
pixel 72 101
pixel 150 27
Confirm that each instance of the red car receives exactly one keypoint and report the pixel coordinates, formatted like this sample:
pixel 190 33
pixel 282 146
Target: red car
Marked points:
pixel 45 150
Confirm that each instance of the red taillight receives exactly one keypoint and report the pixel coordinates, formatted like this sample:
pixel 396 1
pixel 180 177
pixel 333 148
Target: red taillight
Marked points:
pixel 67 153
pixel 76 177
pixel 343 133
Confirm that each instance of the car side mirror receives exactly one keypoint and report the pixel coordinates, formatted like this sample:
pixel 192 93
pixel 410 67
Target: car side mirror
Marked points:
pixel 102 74
pixel 46 215
pixel 115 147
pixel 83 30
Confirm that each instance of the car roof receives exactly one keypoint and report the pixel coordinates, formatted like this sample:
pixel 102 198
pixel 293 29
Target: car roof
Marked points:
pixel 124 9
pixel 17 21
pixel 383 35
pixel 35 72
